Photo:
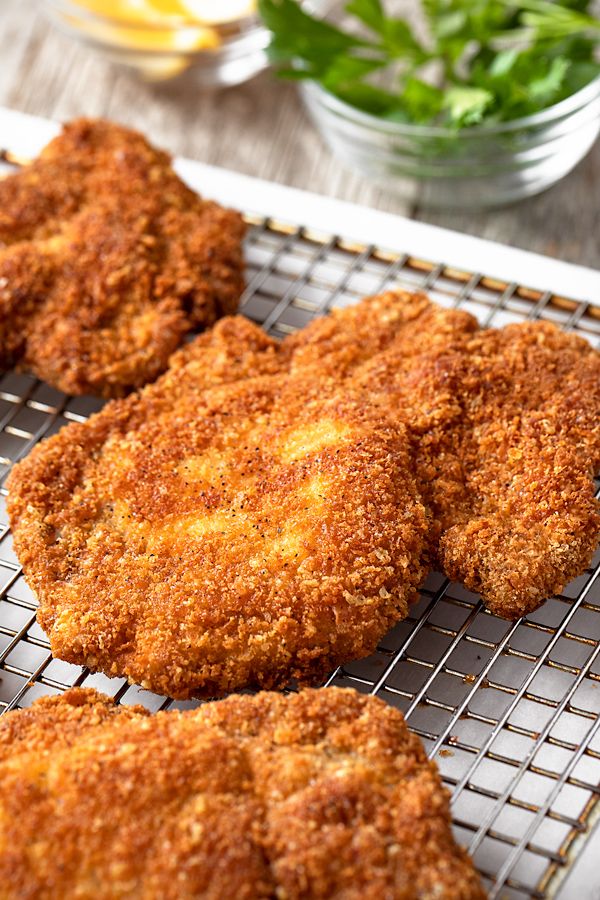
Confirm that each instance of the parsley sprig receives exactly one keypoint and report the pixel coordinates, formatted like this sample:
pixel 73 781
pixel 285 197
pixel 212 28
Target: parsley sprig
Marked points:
pixel 482 60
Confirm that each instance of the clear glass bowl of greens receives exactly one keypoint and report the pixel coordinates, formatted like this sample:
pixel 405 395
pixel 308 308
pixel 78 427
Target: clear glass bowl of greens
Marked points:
pixel 482 166
pixel 450 103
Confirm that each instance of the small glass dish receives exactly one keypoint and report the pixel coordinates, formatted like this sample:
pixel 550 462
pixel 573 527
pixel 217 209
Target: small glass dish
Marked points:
pixel 480 166
pixel 218 55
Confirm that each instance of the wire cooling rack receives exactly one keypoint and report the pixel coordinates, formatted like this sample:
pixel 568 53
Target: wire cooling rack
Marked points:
pixel 509 711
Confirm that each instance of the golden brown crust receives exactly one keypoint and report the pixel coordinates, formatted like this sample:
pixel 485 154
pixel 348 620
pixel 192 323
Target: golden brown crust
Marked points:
pixel 107 260
pixel 505 429
pixel 317 795
pixel 201 541
pixel 257 510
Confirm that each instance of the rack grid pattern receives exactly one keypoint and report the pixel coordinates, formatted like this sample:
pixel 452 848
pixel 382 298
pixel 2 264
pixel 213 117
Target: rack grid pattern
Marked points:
pixel 510 711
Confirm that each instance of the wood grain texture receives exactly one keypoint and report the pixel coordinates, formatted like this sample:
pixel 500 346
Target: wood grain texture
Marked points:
pixel 260 128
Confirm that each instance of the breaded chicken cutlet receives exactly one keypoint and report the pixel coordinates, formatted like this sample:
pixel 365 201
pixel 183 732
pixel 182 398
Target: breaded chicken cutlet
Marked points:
pixel 265 512
pixel 200 541
pixel 107 260
pixel 505 433
pixel 317 795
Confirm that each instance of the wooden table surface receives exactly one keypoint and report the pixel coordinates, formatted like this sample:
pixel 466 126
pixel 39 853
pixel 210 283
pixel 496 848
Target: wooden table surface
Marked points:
pixel 261 128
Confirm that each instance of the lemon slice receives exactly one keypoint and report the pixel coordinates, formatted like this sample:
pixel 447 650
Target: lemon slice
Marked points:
pixel 163 9
pixel 185 40
pixel 151 12
pixel 163 18
pixel 216 12
pixel 166 30
pixel 203 12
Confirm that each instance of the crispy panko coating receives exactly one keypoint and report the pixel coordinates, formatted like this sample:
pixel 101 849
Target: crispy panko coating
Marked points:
pixel 505 433
pixel 317 795
pixel 202 541
pixel 265 512
pixel 107 260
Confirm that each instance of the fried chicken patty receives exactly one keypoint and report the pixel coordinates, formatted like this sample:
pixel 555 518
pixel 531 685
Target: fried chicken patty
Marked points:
pixel 317 795
pixel 202 540
pixel 504 427
pixel 265 512
pixel 107 260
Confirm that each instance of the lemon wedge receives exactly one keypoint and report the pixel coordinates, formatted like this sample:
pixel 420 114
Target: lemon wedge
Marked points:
pixel 166 30
pixel 217 12
pixel 186 40
pixel 163 21
pixel 156 12
pixel 149 12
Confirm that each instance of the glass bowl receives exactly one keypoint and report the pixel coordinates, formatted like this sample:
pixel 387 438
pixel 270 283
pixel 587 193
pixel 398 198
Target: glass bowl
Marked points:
pixel 480 166
pixel 215 55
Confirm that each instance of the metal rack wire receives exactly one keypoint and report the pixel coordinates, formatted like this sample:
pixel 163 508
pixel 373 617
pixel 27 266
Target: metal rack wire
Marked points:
pixel 510 711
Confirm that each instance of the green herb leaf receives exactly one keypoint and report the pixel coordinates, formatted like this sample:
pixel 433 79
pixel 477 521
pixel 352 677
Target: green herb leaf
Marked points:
pixel 346 69
pixel 396 35
pixel 544 89
pixel 503 62
pixel 399 40
pixel 578 75
pixel 422 101
pixel 368 11
pixel 467 105
pixel 297 35
pixel 372 100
